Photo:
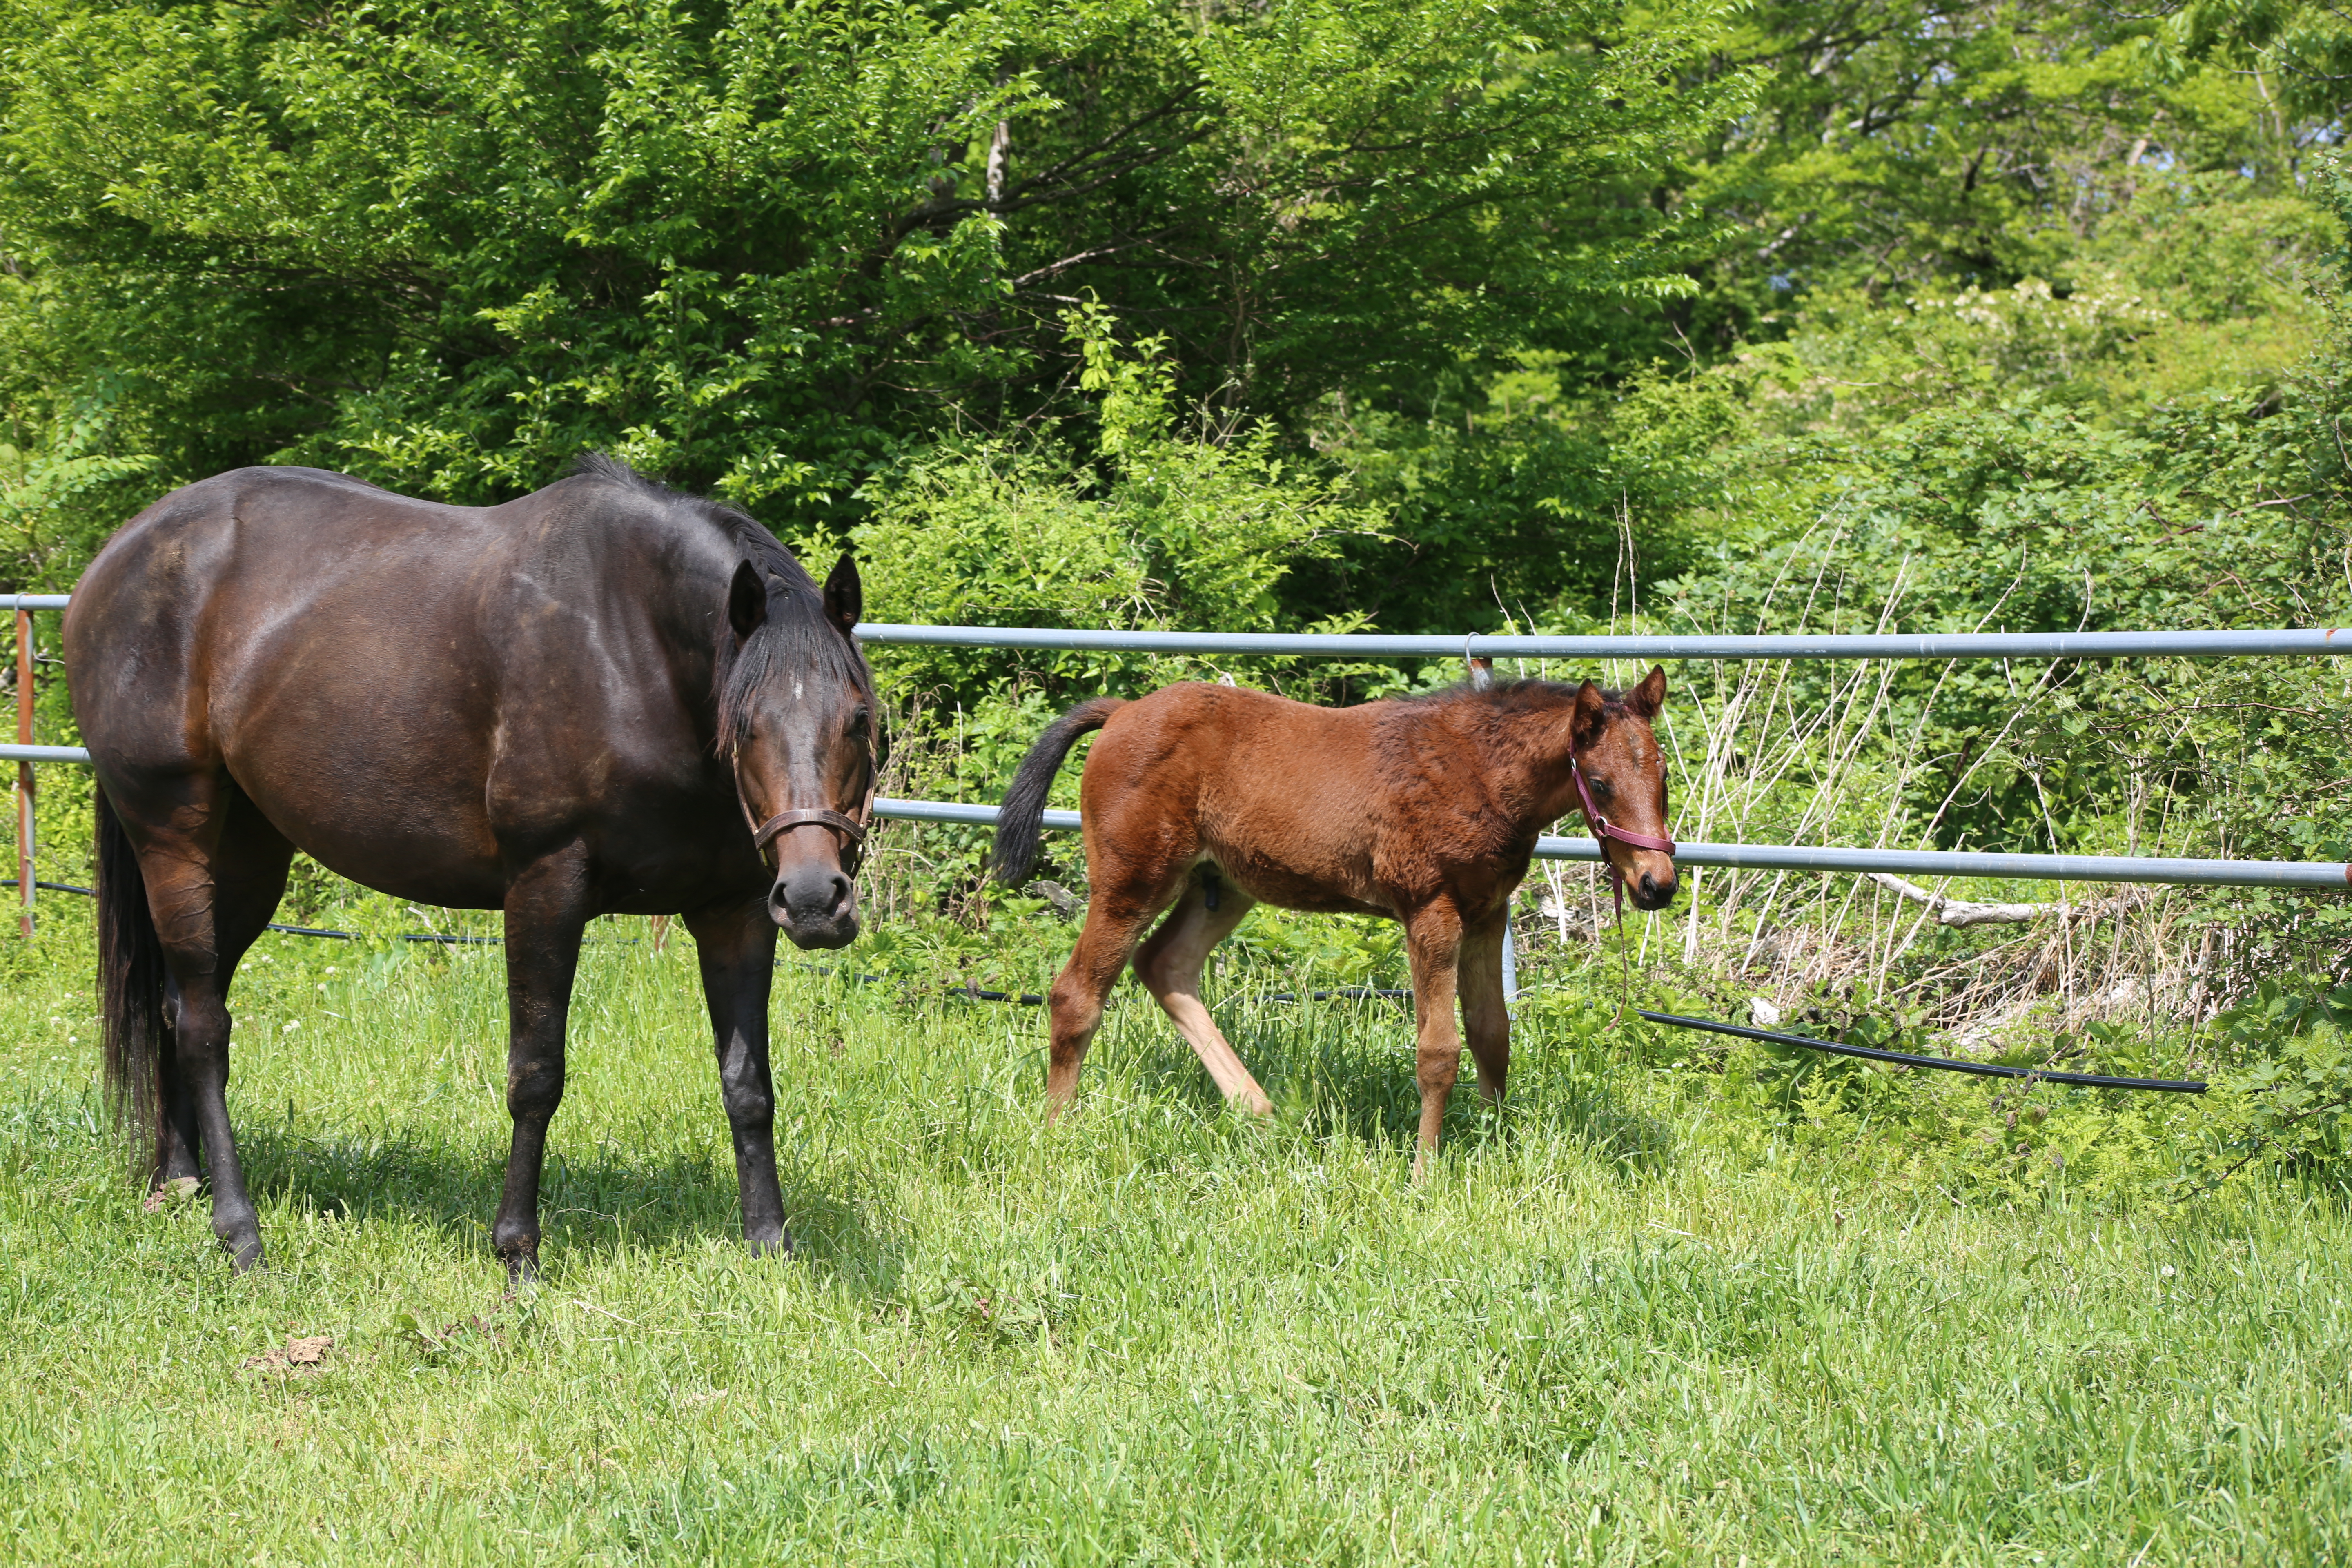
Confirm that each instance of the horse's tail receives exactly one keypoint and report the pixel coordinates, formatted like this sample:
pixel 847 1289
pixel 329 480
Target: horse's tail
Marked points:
pixel 1023 812
pixel 131 980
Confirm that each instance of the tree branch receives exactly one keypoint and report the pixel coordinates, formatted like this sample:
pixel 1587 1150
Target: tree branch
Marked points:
pixel 1959 912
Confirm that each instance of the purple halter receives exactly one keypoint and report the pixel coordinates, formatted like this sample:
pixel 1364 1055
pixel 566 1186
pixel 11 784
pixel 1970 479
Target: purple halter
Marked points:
pixel 1603 830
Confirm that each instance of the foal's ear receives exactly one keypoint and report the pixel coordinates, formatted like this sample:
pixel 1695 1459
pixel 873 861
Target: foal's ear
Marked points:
pixel 1585 720
pixel 1649 700
pixel 746 601
pixel 845 596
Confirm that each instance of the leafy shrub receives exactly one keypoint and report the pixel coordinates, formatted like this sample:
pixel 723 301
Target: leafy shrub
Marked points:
pixel 2290 1104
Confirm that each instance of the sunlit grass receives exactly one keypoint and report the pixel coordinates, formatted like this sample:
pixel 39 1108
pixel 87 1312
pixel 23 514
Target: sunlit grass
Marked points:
pixel 1633 1319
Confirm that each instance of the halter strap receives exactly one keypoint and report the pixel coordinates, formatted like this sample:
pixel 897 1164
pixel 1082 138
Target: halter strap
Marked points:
pixel 852 829
pixel 1603 829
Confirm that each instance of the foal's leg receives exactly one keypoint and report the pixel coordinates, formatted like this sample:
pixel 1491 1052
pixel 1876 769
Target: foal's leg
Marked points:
pixel 1170 966
pixel 546 910
pixel 1116 916
pixel 1433 941
pixel 736 946
pixel 213 876
pixel 1485 1017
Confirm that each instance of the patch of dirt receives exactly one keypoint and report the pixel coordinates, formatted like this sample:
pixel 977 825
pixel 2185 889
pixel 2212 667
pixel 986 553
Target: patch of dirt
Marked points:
pixel 173 1192
pixel 308 1354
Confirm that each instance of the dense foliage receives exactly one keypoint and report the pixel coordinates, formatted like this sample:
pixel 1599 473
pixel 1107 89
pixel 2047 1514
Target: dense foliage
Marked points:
pixel 766 248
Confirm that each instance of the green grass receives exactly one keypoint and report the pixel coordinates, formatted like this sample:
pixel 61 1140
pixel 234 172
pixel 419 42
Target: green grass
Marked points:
pixel 1635 1319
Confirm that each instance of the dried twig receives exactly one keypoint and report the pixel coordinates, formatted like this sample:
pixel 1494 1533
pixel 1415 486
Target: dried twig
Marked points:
pixel 1953 911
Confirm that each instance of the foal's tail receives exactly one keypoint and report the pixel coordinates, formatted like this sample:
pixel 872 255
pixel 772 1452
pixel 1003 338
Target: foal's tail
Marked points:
pixel 131 979
pixel 1023 812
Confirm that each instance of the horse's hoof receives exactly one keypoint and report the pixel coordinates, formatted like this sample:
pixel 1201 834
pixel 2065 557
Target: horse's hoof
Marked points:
pixel 245 1257
pixel 522 1270
pixel 777 1246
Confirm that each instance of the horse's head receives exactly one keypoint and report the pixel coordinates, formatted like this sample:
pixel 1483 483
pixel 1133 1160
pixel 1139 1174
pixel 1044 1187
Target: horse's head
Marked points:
pixel 1626 774
pixel 796 717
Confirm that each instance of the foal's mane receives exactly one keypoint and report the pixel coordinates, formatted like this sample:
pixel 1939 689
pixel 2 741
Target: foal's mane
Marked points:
pixel 1508 698
pixel 796 632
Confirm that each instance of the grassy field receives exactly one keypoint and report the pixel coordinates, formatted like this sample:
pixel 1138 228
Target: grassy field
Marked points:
pixel 1633 1319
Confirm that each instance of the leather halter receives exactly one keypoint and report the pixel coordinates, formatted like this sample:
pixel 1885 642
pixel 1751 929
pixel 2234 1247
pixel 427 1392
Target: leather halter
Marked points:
pixel 1603 829
pixel 851 829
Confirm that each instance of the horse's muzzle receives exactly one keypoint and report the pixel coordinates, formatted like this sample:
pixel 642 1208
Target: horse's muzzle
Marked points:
pixel 1650 892
pixel 815 905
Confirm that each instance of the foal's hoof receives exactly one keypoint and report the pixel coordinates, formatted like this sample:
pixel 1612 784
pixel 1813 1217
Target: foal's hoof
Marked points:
pixel 245 1257
pixel 777 1246
pixel 522 1269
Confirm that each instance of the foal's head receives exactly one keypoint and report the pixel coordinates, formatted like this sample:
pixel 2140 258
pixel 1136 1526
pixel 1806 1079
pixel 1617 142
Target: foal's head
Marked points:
pixel 1627 773
pixel 796 718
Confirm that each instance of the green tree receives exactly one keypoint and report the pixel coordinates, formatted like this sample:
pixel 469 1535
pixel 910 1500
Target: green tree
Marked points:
pixel 766 248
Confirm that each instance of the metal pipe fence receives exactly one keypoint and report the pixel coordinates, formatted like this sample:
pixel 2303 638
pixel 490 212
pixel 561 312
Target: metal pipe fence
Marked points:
pixel 1801 645
pixel 1810 857
pixel 2314 874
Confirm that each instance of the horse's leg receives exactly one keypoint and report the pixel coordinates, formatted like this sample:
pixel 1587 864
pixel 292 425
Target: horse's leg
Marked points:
pixel 1116 916
pixel 181 1139
pixel 546 910
pixel 213 876
pixel 1170 966
pixel 736 946
pixel 1485 1017
pixel 248 871
pixel 1433 941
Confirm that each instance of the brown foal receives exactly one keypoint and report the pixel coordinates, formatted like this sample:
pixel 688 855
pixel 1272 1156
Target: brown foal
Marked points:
pixel 1425 810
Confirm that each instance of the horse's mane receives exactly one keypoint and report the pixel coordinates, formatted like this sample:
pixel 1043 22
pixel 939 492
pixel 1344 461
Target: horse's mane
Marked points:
pixel 796 632
pixel 1507 698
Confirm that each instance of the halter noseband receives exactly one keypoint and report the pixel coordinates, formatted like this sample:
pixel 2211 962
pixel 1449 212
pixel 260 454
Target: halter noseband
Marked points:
pixel 1603 829
pixel 853 829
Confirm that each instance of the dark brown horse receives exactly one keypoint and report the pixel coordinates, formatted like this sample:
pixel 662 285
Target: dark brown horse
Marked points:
pixel 1425 810
pixel 601 698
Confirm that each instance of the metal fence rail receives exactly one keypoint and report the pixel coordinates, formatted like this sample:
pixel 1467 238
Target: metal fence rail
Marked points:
pixel 1808 857
pixel 2316 875
pixel 2326 874
pixel 1803 645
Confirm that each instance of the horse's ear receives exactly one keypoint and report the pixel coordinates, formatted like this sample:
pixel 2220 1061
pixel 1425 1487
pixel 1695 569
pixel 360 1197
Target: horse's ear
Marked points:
pixel 1584 723
pixel 845 596
pixel 1649 700
pixel 746 601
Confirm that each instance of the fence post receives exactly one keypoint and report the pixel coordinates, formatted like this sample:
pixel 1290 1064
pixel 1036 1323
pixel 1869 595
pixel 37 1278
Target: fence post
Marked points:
pixel 24 768
pixel 1482 677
